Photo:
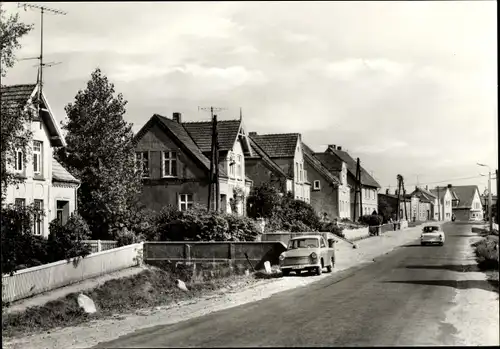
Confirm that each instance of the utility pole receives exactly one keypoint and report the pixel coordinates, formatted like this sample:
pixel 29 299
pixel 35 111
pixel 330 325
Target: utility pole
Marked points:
pixel 439 205
pixel 357 189
pixel 498 186
pixel 214 163
pixel 489 202
pixel 399 199
pixel 42 9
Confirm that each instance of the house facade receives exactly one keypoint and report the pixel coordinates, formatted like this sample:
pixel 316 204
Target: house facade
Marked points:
pixel 444 203
pixel 285 150
pixel 47 184
pixel 388 205
pixel 333 157
pixel 174 159
pixel 330 193
pixel 467 206
pixel 424 205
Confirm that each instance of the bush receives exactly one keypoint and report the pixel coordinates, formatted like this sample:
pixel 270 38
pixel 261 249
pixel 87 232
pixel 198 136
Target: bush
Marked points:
pixel 331 227
pixel 263 201
pixel 20 248
pixel 487 254
pixel 242 228
pixel 143 223
pixel 371 220
pixel 126 237
pixel 65 241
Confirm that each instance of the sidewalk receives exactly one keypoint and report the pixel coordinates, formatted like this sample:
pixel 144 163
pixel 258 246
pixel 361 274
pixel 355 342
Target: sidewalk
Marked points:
pixel 42 298
pixel 90 334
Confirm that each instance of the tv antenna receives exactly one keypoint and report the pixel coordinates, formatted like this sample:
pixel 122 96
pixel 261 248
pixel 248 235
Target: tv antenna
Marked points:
pixel 42 9
pixel 211 110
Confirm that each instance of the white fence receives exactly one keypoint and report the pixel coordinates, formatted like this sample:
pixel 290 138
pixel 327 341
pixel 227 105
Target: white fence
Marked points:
pixel 101 245
pixel 31 281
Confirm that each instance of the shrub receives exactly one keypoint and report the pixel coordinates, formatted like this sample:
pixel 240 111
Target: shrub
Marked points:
pixel 161 223
pixel 263 201
pixel 331 227
pixel 20 248
pixel 242 228
pixel 126 237
pixel 371 220
pixel 65 241
pixel 143 223
pixel 486 252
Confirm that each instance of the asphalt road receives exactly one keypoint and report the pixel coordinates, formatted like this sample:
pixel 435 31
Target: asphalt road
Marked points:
pixel 400 300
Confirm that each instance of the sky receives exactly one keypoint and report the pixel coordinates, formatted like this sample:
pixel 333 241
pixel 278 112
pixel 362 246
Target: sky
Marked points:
pixel 408 87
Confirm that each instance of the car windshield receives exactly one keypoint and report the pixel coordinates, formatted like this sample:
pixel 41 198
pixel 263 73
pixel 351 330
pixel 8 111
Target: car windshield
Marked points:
pixel 430 229
pixel 303 243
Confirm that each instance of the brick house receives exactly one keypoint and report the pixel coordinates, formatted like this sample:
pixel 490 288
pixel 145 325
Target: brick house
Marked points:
pixel 260 168
pixel 332 157
pixel 174 158
pixel 285 149
pixel 467 203
pixel 47 184
pixel 330 193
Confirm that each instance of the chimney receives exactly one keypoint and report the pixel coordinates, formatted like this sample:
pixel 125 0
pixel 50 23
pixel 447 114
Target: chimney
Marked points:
pixel 427 187
pixel 177 117
pixel 332 146
pixel 339 148
pixel 252 134
pixel 449 186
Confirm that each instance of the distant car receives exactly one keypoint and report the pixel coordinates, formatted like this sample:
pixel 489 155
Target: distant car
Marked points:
pixel 308 252
pixel 432 234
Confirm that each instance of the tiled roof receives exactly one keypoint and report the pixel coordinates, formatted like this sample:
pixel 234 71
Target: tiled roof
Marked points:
pixel 440 193
pixel 201 133
pixel 60 174
pixel 258 152
pixel 424 195
pixel 330 161
pixel 280 145
pixel 465 194
pixel 366 178
pixel 316 163
pixel 16 95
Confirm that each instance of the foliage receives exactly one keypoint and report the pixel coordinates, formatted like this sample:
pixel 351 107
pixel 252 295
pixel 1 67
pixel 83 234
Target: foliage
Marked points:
pixel 385 209
pixel 100 152
pixel 333 228
pixel 20 248
pixel 14 133
pixel 11 31
pixel 241 228
pixel 65 241
pixel 263 201
pixel 299 211
pixel 142 222
pixel 371 220
pixel 162 222
pixel 126 237
pixel 487 255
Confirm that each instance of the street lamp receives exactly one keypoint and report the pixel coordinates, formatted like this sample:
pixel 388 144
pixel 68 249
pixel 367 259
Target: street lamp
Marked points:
pixel 489 195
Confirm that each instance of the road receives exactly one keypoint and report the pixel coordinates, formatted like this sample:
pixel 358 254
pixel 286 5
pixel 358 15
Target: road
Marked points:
pixel 400 300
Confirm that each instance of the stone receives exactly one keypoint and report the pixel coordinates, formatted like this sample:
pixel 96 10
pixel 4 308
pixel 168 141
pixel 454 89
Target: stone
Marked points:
pixel 181 285
pixel 267 267
pixel 86 303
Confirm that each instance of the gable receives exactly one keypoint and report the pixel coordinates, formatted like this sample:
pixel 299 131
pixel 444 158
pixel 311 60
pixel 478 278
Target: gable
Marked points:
pixel 259 153
pixel 316 164
pixel 366 178
pixel 201 133
pixel 282 145
pixel 466 195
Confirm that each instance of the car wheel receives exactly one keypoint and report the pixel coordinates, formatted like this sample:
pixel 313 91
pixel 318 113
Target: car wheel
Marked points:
pixel 330 267
pixel 422 243
pixel 319 270
pixel 285 272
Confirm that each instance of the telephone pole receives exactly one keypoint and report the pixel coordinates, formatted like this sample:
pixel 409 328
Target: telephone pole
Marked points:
pixel 357 189
pixel 42 9
pixel 214 162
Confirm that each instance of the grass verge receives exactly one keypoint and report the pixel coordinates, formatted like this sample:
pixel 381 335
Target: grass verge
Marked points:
pixel 150 288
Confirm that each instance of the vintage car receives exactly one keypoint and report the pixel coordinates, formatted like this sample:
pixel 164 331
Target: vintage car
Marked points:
pixel 308 252
pixel 432 234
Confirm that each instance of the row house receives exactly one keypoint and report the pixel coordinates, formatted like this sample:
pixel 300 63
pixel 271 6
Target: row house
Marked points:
pixel 46 183
pixel 333 157
pixel 330 193
pixel 173 157
pixel 466 202
pixel 285 150
pixel 424 205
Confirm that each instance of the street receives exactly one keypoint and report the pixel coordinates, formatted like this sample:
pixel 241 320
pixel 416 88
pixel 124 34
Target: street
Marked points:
pixel 401 299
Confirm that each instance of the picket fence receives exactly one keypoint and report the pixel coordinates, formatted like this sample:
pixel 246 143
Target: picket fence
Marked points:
pixel 31 281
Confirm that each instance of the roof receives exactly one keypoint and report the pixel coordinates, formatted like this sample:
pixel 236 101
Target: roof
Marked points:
pixel 317 165
pixel 281 145
pixel 465 194
pixel 60 174
pixel 351 164
pixel 441 192
pixel 18 96
pixel 201 133
pixel 424 195
pixel 258 152
pixel 403 198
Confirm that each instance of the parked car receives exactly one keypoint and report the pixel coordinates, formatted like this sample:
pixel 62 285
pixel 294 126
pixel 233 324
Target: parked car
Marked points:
pixel 308 252
pixel 432 234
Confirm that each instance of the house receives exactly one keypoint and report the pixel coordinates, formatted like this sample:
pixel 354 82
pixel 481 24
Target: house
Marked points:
pixel 173 157
pixel 47 184
pixel 484 202
pixel 285 149
pixel 424 205
pixel 468 204
pixel 330 193
pixel 260 168
pixel 444 203
pixel 333 156
pixel 388 205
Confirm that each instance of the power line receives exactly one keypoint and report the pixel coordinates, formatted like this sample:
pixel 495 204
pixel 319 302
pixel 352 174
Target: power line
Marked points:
pixel 443 181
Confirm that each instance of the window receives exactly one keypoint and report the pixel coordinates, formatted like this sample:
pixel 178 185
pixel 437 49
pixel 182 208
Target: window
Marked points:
pixel 185 201
pixel 37 158
pixel 296 171
pixel 239 168
pixel 38 221
pixel 62 209
pixel 322 243
pixel 169 164
pixel 301 174
pixel 317 185
pixel 20 202
pixel 142 163
pixel 19 160
pixel 232 162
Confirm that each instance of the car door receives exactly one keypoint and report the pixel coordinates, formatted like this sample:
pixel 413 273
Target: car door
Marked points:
pixel 323 249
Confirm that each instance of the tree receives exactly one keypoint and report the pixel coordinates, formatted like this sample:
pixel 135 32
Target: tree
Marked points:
pixel 14 133
pixel 385 208
pixel 100 153
pixel 263 201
